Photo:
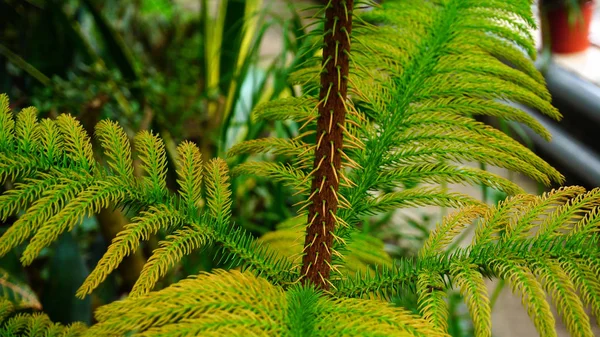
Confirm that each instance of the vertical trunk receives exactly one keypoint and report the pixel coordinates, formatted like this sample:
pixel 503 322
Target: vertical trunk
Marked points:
pixel 316 263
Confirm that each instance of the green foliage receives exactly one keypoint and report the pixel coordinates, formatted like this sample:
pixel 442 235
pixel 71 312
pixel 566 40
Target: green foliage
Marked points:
pixel 535 262
pixel 413 96
pixel 18 324
pixel 542 246
pixel 364 251
pixel 56 189
pixel 242 304
pixel 419 73
pixel 17 292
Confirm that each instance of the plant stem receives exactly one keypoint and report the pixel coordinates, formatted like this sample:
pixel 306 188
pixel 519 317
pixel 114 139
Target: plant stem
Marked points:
pixel 316 262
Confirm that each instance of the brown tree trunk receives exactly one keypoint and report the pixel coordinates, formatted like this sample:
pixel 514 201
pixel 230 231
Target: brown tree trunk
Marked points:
pixel 316 262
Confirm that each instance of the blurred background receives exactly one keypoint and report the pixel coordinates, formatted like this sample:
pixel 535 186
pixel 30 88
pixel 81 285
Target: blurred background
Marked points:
pixel 194 70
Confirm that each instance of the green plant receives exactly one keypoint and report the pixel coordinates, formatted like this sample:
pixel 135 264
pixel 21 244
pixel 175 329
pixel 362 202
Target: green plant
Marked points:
pixel 388 103
pixel 154 69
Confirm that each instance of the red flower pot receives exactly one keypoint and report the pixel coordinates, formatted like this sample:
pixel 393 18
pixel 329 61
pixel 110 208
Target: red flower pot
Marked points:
pixel 569 37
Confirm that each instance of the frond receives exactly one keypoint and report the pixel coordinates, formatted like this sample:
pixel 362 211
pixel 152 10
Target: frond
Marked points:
pixel 6 308
pixel 242 250
pixel 440 173
pixel 7 124
pixel 171 250
pixel 471 106
pixel 443 235
pixel 420 73
pixel 286 174
pixel 421 196
pixel 51 141
pixel 472 286
pixel 583 274
pixel 24 193
pixel 352 317
pixel 116 148
pixel 18 294
pixel 295 108
pixel 35 324
pixel 217 188
pixel 288 147
pixel 67 185
pixel 57 183
pixel 75 329
pixel 153 158
pixel 127 241
pixel 76 141
pixel 238 249
pixel 88 202
pixel 300 152
pixel 14 166
pixel 195 302
pixel 512 242
pixel 436 139
pixel 241 303
pixel 565 298
pixel 38 324
pixel 569 215
pixel 17 324
pixel 537 210
pixel 499 219
pixel 26 129
pixel 432 299
pixel 190 173
pixel 522 280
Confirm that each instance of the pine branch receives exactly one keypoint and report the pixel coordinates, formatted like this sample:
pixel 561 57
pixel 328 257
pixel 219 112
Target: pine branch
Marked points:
pixel 127 241
pixel 182 242
pixel 234 302
pixel 418 74
pixel 58 182
pixel 15 324
pixel 532 261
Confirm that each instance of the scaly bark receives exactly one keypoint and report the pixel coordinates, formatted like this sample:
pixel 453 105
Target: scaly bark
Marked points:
pixel 316 262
